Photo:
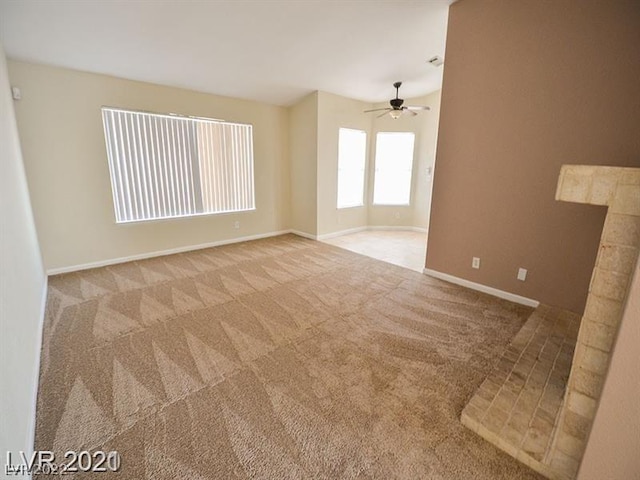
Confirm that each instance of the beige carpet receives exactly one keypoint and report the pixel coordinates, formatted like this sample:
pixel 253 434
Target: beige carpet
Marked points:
pixel 279 358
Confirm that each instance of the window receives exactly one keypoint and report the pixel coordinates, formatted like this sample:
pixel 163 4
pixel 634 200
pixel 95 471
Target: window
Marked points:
pixel 165 166
pixel 394 162
pixel 352 148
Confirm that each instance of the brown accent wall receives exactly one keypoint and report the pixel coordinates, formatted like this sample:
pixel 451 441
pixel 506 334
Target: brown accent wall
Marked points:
pixel 529 86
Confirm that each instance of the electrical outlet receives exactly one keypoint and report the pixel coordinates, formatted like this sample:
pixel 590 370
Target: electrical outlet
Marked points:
pixel 236 225
pixel 522 274
pixel 475 263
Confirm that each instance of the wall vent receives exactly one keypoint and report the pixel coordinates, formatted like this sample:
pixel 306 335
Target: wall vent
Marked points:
pixel 436 60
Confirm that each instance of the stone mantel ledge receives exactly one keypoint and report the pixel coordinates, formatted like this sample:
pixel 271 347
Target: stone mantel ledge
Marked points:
pixel 559 456
pixel 616 187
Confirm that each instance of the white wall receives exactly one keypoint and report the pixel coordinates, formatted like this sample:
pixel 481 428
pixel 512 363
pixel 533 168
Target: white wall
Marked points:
pixel 425 128
pixel 335 112
pixel 303 158
pixel 613 448
pixel 22 288
pixel 295 165
pixel 65 158
pixel 315 122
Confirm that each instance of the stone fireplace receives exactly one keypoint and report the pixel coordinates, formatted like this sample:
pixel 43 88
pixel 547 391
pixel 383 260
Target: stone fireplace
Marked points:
pixel 540 401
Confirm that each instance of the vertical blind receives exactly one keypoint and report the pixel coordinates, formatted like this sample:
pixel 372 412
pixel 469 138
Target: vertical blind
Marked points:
pixel 165 166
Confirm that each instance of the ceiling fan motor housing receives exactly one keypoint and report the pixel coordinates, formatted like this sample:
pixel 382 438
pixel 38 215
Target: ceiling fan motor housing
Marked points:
pixel 397 109
pixel 396 103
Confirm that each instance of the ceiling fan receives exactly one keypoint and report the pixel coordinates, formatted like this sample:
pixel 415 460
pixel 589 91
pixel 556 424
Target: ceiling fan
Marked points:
pixel 397 110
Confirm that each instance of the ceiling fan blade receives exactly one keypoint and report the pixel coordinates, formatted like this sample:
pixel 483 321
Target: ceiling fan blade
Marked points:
pixel 413 114
pixel 417 107
pixel 385 113
pixel 377 110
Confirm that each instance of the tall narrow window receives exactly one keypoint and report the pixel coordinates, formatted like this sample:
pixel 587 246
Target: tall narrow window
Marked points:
pixel 393 168
pixel 165 166
pixel 352 148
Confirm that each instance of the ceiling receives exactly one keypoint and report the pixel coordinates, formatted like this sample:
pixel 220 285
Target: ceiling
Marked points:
pixel 274 51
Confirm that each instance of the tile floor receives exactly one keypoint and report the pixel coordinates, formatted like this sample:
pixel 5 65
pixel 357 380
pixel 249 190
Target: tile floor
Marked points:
pixel 404 248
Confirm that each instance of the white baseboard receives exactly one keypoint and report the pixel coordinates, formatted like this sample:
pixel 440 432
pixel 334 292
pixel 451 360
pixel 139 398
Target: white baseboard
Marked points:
pixel 303 234
pixel 171 251
pixel 31 432
pixel 340 233
pixel 407 228
pixel 326 236
pixel 482 288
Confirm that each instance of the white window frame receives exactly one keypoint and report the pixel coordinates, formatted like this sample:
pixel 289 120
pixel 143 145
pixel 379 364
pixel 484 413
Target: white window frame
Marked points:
pixel 171 166
pixel 343 167
pixel 378 169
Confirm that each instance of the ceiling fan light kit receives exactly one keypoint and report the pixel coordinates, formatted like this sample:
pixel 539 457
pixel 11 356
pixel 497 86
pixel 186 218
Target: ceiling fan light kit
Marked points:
pixel 397 108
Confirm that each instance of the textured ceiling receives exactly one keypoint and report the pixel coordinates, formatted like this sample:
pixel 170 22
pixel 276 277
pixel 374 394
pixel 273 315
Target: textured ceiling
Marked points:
pixel 273 51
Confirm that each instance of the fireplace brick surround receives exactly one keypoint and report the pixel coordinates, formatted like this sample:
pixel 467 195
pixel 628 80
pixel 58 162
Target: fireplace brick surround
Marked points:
pixel 538 405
